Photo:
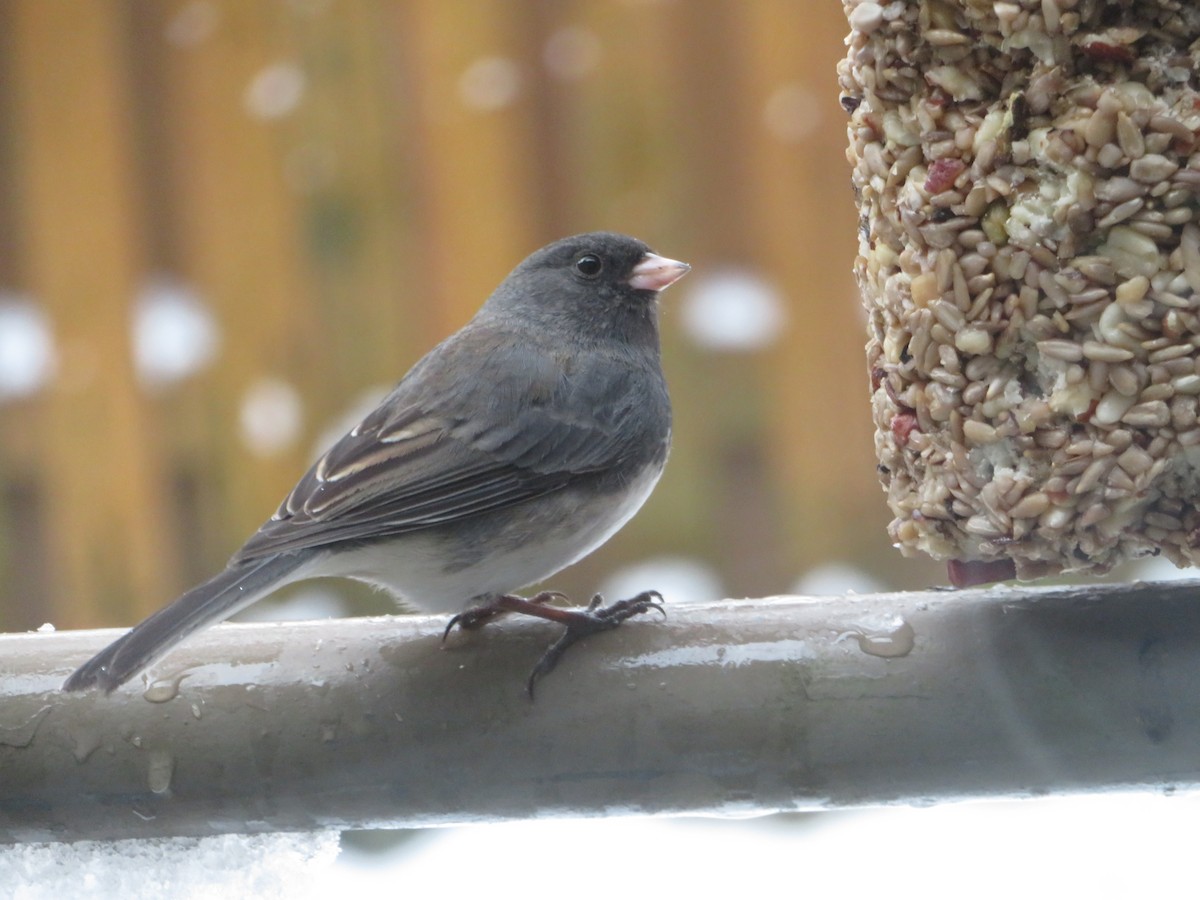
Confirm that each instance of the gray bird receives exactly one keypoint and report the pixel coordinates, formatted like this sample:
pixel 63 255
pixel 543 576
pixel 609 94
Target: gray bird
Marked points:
pixel 513 449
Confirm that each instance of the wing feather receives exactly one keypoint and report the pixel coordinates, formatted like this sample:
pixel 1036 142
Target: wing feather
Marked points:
pixel 422 460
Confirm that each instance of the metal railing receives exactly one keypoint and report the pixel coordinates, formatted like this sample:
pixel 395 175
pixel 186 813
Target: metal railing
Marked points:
pixel 735 708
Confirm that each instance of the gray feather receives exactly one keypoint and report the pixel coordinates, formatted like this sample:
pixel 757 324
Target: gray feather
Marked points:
pixel 207 603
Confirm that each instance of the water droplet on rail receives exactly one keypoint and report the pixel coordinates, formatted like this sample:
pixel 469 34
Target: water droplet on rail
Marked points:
pixel 160 768
pixel 887 643
pixel 162 690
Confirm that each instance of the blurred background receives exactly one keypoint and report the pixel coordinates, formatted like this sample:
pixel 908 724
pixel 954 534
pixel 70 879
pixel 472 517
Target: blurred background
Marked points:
pixel 227 228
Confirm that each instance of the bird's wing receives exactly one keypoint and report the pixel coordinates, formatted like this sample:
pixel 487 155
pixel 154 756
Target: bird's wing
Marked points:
pixel 431 457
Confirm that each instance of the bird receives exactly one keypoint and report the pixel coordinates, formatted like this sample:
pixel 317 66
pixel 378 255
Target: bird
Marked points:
pixel 513 449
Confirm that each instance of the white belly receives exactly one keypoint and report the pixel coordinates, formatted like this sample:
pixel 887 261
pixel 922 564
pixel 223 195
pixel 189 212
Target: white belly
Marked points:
pixel 425 572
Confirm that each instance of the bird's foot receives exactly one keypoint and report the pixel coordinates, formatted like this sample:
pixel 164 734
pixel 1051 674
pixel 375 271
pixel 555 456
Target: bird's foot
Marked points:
pixel 478 616
pixel 595 618
pixel 579 623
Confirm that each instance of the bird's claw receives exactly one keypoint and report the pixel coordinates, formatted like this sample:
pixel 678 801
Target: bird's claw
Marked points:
pixel 594 618
pixel 625 609
pixel 577 623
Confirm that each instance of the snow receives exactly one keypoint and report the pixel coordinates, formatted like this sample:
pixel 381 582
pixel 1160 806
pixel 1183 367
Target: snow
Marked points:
pixel 275 91
pixel 1104 846
pixel 1113 845
pixel 213 868
pixel 174 333
pixel 272 416
pixel 793 112
pixel 732 310
pixel 28 357
pixel 490 83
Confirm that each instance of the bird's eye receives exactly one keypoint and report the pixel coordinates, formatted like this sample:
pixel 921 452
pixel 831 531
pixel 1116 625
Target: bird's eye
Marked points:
pixel 588 265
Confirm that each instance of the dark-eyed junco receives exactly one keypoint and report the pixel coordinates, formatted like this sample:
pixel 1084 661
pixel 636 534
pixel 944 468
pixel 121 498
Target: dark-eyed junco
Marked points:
pixel 513 449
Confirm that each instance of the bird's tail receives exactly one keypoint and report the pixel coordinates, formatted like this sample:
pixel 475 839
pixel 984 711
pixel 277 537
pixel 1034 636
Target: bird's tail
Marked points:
pixel 216 599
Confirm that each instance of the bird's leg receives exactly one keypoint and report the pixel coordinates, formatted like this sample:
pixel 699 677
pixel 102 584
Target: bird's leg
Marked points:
pixel 579 623
pixel 478 616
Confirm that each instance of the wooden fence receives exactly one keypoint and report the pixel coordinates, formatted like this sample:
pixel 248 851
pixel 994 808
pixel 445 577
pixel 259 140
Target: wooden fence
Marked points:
pixel 341 183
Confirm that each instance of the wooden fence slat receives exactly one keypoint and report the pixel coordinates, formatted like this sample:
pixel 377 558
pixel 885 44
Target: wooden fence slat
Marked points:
pixel 801 197
pixel 101 469
pixel 241 245
pixel 352 165
pixel 477 188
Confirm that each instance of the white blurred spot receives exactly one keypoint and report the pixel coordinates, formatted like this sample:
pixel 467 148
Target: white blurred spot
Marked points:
pixel 677 578
pixel 174 333
pixel 28 358
pixel 194 24
pixel 832 579
pixel 275 91
pixel 490 83
pixel 46 628
pixel 792 113
pixel 271 417
pixel 571 53
pixel 732 310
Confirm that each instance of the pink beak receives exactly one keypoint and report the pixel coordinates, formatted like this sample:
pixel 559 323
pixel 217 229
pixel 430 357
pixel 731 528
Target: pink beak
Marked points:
pixel 656 272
